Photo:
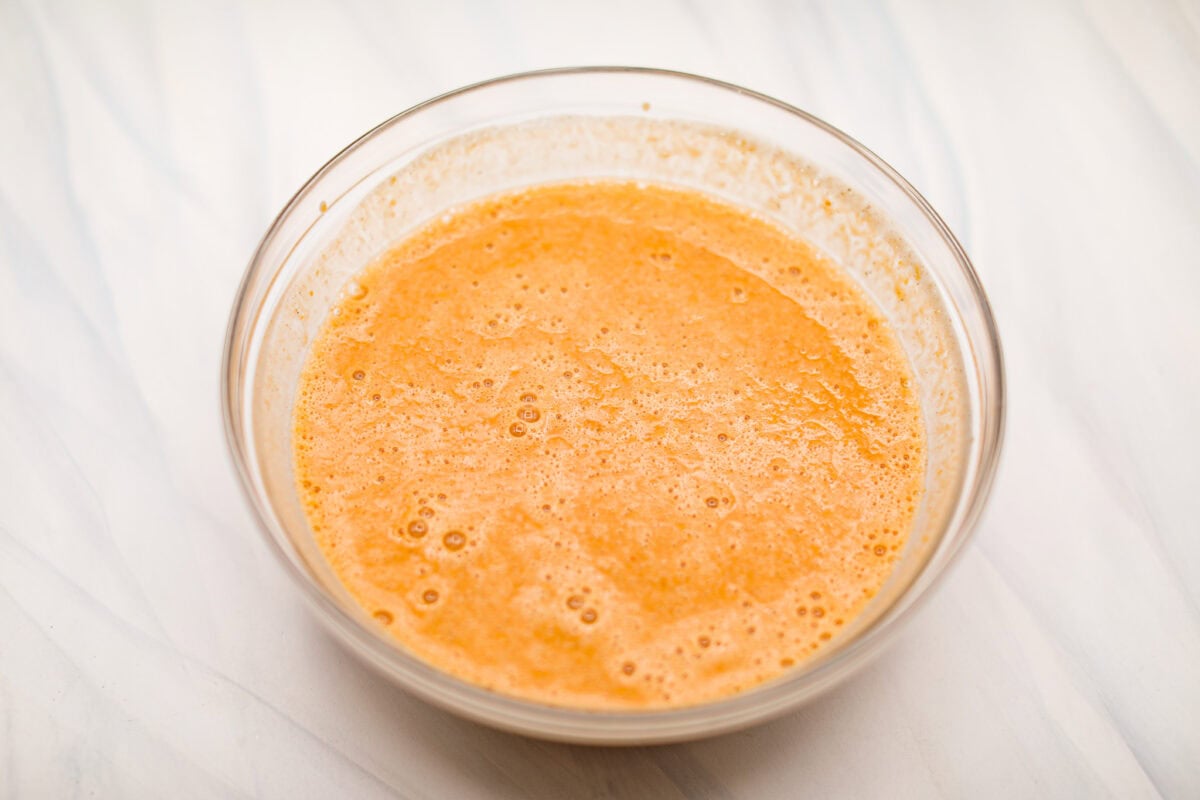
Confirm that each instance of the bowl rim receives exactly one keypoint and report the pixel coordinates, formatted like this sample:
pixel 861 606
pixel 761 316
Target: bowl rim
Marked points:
pixel 623 726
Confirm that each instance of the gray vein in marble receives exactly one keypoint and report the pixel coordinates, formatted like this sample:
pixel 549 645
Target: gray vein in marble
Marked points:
pixel 91 67
pixel 158 652
pixel 1092 696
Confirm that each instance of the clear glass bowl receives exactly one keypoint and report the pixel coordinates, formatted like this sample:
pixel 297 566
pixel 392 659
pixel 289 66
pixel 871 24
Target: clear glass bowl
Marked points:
pixel 631 123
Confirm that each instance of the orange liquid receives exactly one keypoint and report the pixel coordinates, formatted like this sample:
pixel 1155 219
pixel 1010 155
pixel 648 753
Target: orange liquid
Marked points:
pixel 608 445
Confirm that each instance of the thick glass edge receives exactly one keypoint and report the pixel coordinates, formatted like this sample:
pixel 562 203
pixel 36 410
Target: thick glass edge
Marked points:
pixel 622 727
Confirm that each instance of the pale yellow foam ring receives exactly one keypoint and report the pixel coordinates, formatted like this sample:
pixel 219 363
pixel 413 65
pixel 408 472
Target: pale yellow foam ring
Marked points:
pixel 607 445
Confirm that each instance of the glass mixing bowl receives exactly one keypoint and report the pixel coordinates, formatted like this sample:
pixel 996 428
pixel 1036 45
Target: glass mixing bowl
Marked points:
pixel 637 124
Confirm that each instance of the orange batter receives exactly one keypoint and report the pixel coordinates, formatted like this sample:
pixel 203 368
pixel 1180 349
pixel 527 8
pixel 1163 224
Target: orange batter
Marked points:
pixel 608 445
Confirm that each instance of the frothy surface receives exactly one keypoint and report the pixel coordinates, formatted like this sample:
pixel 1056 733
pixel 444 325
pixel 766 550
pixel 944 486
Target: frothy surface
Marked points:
pixel 608 445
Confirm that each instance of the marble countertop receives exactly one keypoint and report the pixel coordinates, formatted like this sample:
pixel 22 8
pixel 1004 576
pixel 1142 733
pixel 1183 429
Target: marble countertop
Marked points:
pixel 150 646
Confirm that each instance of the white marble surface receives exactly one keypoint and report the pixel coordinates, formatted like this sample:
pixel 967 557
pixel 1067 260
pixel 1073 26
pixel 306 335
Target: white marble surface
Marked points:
pixel 149 645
